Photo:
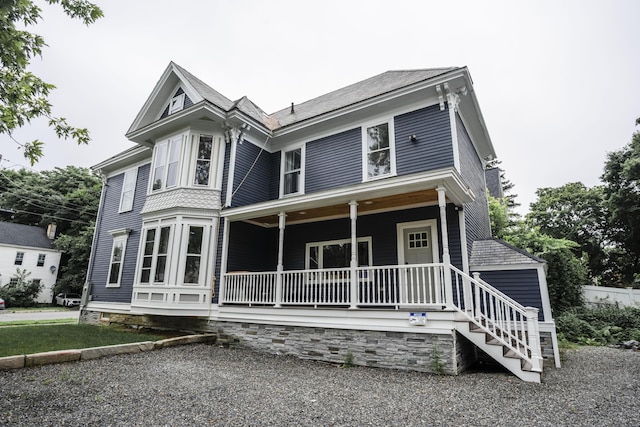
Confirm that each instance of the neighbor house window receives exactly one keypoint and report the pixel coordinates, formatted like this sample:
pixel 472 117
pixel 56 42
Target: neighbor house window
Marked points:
pixel 292 181
pixel 128 190
pixel 154 256
pixel 203 161
pixel 41 258
pixel 13 281
pixel 337 254
pixel 378 150
pixel 176 104
pixel 19 258
pixel 166 163
pixel 194 255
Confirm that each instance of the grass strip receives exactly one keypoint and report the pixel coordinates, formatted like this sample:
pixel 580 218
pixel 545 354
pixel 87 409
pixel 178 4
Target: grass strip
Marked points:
pixel 18 340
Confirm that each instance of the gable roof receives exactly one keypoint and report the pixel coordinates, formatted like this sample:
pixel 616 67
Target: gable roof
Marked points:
pixel 357 92
pixel 494 252
pixel 24 235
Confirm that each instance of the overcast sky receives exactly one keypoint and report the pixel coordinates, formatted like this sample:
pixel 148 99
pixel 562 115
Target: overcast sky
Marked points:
pixel 558 81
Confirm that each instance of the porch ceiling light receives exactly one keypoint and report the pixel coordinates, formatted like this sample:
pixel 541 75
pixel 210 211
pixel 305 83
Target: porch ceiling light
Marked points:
pixel 368 202
pixel 302 212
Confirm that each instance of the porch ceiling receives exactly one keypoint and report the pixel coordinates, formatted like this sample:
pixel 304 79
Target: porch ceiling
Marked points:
pixel 393 202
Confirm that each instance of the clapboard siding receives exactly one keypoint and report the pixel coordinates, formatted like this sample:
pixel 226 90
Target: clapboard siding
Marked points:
pixel 112 220
pixel 334 161
pixel 477 212
pixel 252 175
pixel 251 248
pixel 521 285
pixel 432 149
pixel 274 181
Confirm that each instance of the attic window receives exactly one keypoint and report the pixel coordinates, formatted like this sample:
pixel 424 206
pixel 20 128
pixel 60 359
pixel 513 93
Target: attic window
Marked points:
pixel 176 104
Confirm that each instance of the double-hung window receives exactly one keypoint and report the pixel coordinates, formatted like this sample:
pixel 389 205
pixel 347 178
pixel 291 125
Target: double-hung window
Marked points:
pixel 41 258
pixel 292 177
pixel 118 248
pixel 176 104
pixel 128 190
pixel 378 150
pixel 166 163
pixel 19 258
pixel 154 255
pixel 194 255
pixel 203 161
pixel 337 253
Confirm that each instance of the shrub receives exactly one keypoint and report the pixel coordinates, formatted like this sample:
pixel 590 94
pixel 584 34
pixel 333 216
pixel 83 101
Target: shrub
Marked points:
pixel 602 325
pixel 22 292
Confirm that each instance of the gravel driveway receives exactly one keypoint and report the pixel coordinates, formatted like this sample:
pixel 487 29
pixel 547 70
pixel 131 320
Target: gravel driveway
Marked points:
pixel 203 385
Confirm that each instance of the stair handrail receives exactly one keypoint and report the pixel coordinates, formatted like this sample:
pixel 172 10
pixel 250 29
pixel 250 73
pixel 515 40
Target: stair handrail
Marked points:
pixel 498 315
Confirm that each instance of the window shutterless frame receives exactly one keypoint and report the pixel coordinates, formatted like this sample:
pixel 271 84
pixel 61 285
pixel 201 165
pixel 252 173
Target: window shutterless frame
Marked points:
pixel 378 149
pixel 292 172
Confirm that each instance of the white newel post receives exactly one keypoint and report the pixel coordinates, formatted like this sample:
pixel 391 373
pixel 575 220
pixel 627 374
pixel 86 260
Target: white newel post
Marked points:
pixel 476 305
pixel 353 214
pixel 281 223
pixel 446 258
pixel 534 338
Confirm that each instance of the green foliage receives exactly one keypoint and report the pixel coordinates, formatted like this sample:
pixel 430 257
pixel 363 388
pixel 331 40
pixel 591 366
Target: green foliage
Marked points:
pixel 622 199
pixel 67 197
pixel 437 365
pixel 565 277
pixel 599 326
pixel 498 215
pixel 23 292
pixel 23 95
pixel 576 213
pixel 348 360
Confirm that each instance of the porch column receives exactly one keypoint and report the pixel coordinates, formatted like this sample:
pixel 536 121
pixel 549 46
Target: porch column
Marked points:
pixel 223 261
pixel 446 258
pixel 281 223
pixel 353 213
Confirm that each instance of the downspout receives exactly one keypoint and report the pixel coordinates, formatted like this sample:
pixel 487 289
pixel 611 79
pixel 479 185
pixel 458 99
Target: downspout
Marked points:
pixel 86 290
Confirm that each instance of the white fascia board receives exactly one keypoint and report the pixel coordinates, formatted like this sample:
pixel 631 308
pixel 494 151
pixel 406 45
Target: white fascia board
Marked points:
pixel 431 83
pixel 474 121
pixel 123 159
pixel 31 248
pixel 504 267
pixel 457 191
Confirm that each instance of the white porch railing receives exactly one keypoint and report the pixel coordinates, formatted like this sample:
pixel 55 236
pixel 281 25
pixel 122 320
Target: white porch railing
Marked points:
pixel 404 285
pixel 504 319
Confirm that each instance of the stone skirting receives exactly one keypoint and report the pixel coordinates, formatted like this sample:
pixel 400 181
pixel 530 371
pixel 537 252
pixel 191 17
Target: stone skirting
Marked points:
pixel 447 353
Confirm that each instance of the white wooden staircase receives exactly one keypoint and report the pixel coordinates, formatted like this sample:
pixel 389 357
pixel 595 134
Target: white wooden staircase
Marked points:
pixel 498 325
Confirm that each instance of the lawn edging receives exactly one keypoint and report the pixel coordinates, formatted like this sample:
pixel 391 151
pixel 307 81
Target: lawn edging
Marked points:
pixel 74 355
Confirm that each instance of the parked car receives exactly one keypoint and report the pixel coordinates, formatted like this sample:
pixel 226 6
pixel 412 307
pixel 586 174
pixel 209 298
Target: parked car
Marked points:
pixel 1 304
pixel 68 300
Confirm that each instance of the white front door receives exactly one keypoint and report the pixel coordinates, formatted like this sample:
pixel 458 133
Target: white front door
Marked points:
pixel 418 245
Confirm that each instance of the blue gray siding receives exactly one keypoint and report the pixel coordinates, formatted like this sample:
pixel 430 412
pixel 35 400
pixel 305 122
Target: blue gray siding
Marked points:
pixel 252 175
pixel 274 181
pixel 432 149
pixel 334 161
pixel 521 285
pixel 251 248
pixel 477 212
pixel 112 220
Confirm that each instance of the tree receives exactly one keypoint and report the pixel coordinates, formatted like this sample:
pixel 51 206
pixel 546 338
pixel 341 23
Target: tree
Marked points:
pixel 622 197
pixel 67 197
pixel 576 213
pixel 24 96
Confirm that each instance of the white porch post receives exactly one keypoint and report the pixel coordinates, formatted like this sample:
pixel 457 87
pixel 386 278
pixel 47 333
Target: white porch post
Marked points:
pixel 223 261
pixel 281 223
pixel 353 214
pixel 446 258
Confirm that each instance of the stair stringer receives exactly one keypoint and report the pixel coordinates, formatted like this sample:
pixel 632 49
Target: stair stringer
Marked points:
pixel 496 352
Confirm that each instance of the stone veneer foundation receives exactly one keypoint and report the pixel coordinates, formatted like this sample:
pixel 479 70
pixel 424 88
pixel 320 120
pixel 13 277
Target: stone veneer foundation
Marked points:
pixel 414 351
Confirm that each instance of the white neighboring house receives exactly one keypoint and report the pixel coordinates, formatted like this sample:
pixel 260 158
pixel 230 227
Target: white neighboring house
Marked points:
pixel 30 248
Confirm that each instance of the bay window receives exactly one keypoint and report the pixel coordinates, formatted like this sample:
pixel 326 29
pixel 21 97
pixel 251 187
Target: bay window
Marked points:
pixel 166 163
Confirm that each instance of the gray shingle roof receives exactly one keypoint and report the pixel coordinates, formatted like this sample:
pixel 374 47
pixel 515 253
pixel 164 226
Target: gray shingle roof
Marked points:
pixel 24 235
pixel 357 92
pixel 206 91
pixel 497 252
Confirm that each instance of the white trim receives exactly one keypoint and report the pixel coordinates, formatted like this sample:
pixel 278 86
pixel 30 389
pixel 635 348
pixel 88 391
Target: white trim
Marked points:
pixel 390 122
pixel 463 240
pixel 502 267
pixel 132 174
pixel 176 103
pixel 454 134
pixel 231 173
pixel 400 227
pixel 119 238
pixel 544 294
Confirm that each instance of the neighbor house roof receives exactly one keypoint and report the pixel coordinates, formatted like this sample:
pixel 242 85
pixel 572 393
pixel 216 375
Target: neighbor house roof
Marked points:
pixel 24 235
pixel 492 252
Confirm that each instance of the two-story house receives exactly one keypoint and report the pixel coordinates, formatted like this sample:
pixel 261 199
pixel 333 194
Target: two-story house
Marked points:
pixel 353 223
pixel 30 248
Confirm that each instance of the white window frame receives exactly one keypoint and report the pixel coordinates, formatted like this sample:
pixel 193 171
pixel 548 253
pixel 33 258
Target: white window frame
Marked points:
pixel 154 255
pixel 163 150
pixel 301 171
pixel 42 257
pixel 19 258
pixel 176 103
pixel 365 149
pixel 204 249
pixel 213 157
pixel 120 237
pixel 309 245
pixel 128 190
